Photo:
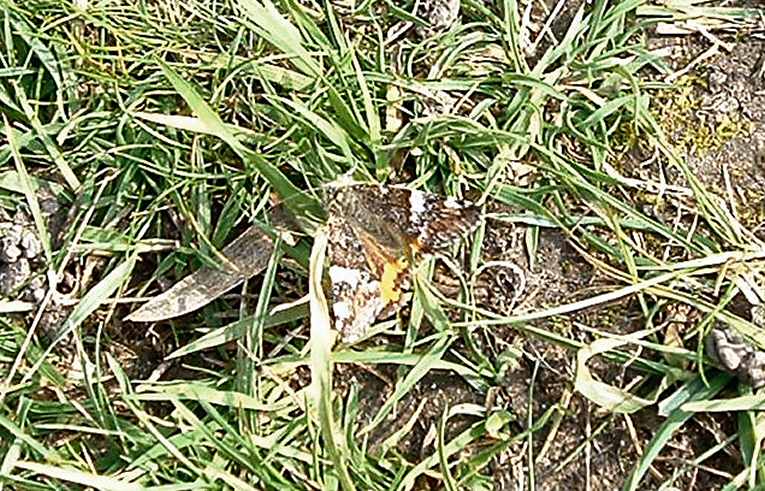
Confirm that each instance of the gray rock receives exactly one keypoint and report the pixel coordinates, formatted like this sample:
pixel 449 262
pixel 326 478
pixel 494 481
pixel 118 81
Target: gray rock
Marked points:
pixel 736 355
pixel 440 15
pixel 14 275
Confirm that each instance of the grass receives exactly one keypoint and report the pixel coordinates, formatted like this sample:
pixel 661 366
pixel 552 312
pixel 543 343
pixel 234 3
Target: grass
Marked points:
pixel 166 128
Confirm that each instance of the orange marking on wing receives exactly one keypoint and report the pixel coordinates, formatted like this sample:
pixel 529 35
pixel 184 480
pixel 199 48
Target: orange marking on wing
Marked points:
pixel 416 246
pixel 389 284
pixel 377 257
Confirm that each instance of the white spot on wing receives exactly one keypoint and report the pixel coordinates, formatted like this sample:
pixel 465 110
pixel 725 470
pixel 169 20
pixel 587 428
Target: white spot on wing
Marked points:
pixel 417 201
pixel 341 310
pixel 339 274
pixel 417 207
pixel 452 203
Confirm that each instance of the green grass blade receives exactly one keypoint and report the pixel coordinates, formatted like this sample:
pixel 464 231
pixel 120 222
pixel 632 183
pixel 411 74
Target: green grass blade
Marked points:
pixel 697 391
pixel 294 198
pixel 321 363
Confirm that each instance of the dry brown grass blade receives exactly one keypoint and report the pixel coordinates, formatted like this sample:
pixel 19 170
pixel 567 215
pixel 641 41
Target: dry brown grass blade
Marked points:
pixel 249 253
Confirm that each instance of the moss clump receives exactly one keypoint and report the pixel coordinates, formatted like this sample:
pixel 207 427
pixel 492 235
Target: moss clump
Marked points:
pixel 694 129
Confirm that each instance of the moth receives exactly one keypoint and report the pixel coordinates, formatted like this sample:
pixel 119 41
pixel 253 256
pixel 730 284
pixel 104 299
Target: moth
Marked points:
pixel 374 233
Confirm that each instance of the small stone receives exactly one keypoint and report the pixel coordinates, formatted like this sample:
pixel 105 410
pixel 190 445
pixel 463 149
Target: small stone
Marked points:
pixel 716 79
pixel 9 252
pixel 35 291
pixel 439 14
pixel 722 345
pixel 14 275
pixel 752 371
pixel 729 357
pixel 32 247
pixel 736 355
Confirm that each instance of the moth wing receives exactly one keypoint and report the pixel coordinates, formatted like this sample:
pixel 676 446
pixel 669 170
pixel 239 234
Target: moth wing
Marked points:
pixel 437 222
pixel 356 291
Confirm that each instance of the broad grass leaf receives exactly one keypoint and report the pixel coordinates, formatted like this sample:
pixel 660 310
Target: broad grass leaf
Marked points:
pixel 602 394
pixel 330 130
pixel 280 32
pixel 100 293
pixel 238 329
pixel 695 390
pixel 200 392
pixel 75 476
pixel 321 361
pixel 752 402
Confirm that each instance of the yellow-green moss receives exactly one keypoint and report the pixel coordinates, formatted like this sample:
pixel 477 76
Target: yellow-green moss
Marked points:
pixel 677 111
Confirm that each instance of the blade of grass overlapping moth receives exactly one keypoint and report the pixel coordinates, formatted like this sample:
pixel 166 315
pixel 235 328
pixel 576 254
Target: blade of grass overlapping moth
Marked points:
pixel 676 418
pixel 321 362
pixel 413 326
pixel 79 477
pixel 280 32
pixel 237 330
pixel 55 153
pixel 294 198
pixel 95 297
